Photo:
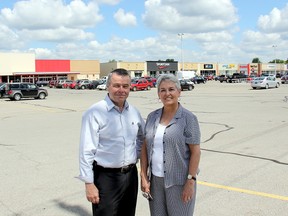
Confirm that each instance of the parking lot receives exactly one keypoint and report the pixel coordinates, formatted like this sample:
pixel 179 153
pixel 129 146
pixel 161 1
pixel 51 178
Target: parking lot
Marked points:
pixel 244 161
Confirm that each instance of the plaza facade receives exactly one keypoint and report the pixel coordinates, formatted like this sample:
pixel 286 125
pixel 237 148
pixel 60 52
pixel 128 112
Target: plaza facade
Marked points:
pixel 24 67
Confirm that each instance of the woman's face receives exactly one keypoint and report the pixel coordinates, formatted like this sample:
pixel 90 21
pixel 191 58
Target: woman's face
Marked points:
pixel 168 93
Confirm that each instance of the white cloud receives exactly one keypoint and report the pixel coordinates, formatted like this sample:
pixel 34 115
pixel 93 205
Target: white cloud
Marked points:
pixel 108 2
pixel 9 39
pixel 194 16
pixel 47 14
pixel 276 21
pixel 57 35
pixel 125 19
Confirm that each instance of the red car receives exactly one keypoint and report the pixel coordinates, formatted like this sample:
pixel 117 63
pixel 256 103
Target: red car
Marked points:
pixel 140 84
pixel 209 77
pixel 73 85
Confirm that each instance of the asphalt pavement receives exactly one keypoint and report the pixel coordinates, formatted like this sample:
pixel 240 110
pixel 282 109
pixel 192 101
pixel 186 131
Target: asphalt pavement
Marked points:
pixel 244 161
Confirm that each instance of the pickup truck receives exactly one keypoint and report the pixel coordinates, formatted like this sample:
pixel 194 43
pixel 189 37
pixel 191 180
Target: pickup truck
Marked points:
pixel 237 78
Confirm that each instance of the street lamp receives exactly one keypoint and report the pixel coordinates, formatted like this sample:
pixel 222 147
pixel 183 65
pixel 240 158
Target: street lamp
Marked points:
pixel 274 46
pixel 181 36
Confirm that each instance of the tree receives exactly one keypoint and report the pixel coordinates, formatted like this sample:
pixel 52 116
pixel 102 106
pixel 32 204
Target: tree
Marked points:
pixel 256 60
pixel 278 61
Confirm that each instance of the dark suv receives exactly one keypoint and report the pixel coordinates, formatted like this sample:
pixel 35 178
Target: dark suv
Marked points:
pixel 16 91
pixel 186 84
pixel 284 79
pixel 222 78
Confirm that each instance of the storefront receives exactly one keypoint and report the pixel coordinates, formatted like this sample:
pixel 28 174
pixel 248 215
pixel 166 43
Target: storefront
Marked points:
pixel 155 68
pixel 207 69
pixel 227 69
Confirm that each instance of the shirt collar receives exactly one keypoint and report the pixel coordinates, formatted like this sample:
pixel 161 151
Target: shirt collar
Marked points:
pixel 111 105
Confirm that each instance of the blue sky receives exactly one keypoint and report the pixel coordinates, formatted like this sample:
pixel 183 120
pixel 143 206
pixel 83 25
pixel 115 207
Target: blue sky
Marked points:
pixel 222 31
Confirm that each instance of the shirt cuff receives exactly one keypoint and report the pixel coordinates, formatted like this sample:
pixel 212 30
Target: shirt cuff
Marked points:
pixel 86 179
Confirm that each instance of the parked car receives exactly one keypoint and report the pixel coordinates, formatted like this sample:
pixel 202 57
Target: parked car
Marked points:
pixel 198 79
pixel 209 77
pixel 140 84
pixel 67 83
pixel 2 89
pixel 94 83
pixel 82 84
pixel 251 78
pixel 16 91
pixel 59 83
pixel 52 83
pixel 42 83
pixel 102 86
pixel 73 84
pixel 151 80
pixel 284 79
pixel 223 78
pixel 265 82
pixel 186 84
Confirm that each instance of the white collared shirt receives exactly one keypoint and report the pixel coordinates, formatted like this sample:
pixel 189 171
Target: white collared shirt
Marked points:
pixel 110 137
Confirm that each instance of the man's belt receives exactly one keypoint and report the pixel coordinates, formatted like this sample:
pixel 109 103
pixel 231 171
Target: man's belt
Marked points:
pixel 124 169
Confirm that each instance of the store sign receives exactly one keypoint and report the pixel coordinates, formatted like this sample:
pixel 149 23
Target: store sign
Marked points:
pixel 208 66
pixel 243 66
pixel 230 66
pixel 162 66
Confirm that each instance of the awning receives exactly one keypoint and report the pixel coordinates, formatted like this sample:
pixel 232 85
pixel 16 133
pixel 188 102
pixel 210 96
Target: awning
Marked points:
pixel 45 73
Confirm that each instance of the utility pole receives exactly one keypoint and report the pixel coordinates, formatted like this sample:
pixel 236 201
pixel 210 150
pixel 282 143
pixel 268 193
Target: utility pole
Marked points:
pixel 274 46
pixel 181 36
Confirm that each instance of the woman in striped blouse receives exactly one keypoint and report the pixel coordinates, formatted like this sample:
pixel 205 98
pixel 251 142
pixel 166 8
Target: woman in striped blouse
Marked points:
pixel 170 154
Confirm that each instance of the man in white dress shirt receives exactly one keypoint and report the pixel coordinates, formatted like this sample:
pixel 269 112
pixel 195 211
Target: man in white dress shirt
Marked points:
pixel 110 144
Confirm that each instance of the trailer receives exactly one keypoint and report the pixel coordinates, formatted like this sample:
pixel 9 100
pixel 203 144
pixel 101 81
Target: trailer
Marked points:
pixel 185 74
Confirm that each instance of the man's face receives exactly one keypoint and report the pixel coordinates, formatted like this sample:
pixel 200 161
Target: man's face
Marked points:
pixel 119 89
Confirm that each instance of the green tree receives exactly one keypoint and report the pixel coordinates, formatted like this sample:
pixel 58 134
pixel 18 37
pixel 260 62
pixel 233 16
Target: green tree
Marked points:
pixel 256 60
pixel 278 61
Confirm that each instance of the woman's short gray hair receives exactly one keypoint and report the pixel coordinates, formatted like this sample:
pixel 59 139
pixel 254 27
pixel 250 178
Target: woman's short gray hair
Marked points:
pixel 168 77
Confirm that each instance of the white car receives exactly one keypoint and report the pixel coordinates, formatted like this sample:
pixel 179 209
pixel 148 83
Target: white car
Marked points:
pixel 265 82
pixel 102 86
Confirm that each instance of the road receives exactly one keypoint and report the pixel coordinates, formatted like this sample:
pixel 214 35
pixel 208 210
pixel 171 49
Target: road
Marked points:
pixel 244 161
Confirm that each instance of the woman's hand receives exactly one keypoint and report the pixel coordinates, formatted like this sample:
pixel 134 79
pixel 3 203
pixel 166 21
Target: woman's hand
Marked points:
pixel 145 184
pixel 188 191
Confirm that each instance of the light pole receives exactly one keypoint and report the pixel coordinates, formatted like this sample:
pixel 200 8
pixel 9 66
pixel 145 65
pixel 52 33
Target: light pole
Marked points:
pixel 274 46
pixel 181 36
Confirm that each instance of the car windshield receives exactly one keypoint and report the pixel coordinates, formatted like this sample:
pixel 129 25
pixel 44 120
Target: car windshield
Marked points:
pixel 134 81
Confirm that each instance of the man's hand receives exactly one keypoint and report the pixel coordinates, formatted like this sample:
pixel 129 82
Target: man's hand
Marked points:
pixel 92 193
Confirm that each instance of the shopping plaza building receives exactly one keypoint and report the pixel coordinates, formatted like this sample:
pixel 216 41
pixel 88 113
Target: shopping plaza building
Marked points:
pixel 24 67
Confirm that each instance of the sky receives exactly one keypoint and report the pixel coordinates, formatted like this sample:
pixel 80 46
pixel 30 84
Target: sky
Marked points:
pixel 210 31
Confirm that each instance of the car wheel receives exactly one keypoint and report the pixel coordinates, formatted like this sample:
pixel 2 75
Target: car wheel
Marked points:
pixel 277 85
pixel 266 86
pixel 148 87
pixel 82 87
pixel 134 89
pixel 17 97
pixel 42 96
pixel 190 88
pixel 254 87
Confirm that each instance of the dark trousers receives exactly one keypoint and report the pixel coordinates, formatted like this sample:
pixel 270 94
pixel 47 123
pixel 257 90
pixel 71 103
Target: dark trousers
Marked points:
pixel 118 192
